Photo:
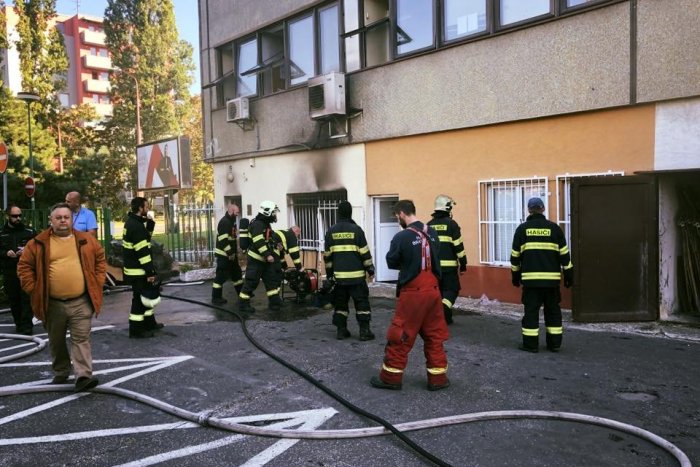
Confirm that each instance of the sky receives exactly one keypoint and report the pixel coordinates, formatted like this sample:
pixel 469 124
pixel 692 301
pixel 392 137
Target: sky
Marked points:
pixel 186 16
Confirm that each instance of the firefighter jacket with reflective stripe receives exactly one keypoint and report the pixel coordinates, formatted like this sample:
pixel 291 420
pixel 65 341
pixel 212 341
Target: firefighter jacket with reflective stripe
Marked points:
pixel 13 237
pixel 346 253
pixel 263 242
pixel 289 244
pixel 137 247
pixel 539 252
pixel 243 235
pixel 226 237
pixel 452 252
pixel 406 255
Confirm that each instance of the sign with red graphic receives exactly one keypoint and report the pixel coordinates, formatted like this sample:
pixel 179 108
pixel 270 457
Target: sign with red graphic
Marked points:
pixel 29 187
pixel 3 158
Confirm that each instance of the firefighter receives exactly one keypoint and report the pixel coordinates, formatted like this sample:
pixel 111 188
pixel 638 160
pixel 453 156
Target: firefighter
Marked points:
pixel 289 244
pixel 413 252
pixel 139 271
pixel 226 252
pixel 452 255
pixel 263 259
pixel 538 255
pixel 348 260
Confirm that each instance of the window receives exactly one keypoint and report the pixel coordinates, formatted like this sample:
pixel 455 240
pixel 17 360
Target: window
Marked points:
pixel 104 99
pixel 104 76
pixel 247 59
pixel 502 207
pixel 64 99
pixel 462 18
pixel 93 51
pixel 314 213
pixel 301 50
pixel 564 199
pixel 104 53
pixel 96 98
pixel 414 25
pixel 366 33
pixel 329 43
pixel 514 11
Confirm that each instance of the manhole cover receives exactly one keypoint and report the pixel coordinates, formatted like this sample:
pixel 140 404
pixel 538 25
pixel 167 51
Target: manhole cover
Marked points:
pixel 638 396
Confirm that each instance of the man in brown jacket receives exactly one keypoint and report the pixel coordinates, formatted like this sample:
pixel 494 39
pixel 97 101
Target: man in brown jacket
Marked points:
pixel 63 271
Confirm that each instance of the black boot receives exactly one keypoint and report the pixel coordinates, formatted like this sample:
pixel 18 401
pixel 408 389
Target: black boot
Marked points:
pixel 365 333
pixel 216 296
pixel 275 303
pixel 342 333
pixel 245 307
pixel 341 324
pixel 137 331
pixel 448 313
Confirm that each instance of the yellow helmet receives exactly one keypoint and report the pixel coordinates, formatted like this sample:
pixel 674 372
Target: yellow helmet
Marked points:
pixel 444 203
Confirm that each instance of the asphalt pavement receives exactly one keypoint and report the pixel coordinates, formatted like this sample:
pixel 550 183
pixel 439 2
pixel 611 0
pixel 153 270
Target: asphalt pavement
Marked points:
pixel 643 375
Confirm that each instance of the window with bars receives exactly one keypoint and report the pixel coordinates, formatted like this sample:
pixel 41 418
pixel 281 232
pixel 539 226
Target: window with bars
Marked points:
pixel 502 207
pixel 314 213
pixel 564 198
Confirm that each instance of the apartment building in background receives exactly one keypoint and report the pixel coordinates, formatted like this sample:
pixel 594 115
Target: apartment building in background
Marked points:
pixel 89 66
pixel 593 105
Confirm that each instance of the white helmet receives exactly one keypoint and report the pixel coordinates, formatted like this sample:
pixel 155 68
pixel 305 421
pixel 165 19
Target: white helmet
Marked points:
pixel 268 208
pixel 444 203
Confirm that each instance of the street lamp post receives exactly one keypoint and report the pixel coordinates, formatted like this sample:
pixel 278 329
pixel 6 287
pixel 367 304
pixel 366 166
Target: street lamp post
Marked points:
pixel 29 97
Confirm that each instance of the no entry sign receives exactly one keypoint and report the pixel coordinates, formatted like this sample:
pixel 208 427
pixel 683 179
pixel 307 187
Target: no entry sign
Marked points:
pixel 3 158
pixel 29 187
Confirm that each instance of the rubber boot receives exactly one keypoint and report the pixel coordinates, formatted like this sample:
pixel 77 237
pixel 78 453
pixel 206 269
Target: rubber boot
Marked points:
pixel 365 333
pixel 341 324
pixel 275 303
pixel 216 296
pixel 448 313
pixel 138 331
pixel 245 307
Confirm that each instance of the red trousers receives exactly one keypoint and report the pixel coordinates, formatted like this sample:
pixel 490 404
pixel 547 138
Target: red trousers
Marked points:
pixel 418 312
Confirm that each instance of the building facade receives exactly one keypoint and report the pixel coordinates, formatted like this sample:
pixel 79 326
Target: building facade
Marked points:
pixel 488 101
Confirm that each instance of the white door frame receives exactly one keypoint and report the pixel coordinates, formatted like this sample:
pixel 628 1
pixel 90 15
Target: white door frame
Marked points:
pixel 383 273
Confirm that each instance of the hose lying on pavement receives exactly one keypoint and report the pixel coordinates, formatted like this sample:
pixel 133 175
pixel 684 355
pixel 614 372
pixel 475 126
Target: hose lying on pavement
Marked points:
pixel 41 343
pixel 205 418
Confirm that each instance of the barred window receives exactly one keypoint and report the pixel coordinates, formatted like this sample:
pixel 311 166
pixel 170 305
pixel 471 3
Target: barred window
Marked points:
pixel 314 213
pixel 502 207
pixel 564 198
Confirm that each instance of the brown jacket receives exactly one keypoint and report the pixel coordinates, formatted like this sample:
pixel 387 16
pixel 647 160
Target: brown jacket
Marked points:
pixel 33 269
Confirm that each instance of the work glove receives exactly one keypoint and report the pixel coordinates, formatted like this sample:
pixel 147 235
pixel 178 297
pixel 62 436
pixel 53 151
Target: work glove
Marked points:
pixel 515 278
pixel 568 278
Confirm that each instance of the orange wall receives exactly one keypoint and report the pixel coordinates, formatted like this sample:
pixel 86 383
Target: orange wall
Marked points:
pixel 421 167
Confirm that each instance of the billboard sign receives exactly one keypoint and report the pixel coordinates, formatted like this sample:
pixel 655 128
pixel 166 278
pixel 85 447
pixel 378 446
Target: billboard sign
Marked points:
pixel 160 164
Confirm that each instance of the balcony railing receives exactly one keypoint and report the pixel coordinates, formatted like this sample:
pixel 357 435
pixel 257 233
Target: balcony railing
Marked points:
pixel 96 85
pixel 97 62
pixel 92 37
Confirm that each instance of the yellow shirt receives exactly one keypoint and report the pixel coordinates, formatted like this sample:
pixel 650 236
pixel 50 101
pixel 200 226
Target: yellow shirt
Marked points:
pixel 66 278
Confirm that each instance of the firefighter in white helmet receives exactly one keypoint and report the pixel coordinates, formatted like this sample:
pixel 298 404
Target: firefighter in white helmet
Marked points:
pixel 263 259
pixel 453 259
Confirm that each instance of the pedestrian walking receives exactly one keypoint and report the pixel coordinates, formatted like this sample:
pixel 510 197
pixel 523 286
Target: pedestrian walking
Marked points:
pixel 414 251
pixel 452 255
pixel 13 238
pixel 63 270
pixel 348 261
pixel 139 271
pixel 226 253
pixel 84 220
pixel 537 258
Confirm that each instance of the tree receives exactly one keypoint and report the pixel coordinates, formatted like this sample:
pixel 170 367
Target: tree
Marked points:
pixel 143 41
pixel 202 172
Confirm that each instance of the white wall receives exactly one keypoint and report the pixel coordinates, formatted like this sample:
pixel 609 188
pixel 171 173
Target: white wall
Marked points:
pixel 668 248
pixel 677 143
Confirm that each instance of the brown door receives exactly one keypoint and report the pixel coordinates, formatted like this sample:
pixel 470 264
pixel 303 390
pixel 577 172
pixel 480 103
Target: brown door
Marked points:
pixel 614 246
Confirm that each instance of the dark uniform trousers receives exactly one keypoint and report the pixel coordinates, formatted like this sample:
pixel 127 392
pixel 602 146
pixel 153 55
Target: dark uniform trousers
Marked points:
pixel 141 318
pixel 418 312
pixel 271 275
pixel 360 297
pixel 226 269
pixel 533 298
pixel 20 304
pixel 449 287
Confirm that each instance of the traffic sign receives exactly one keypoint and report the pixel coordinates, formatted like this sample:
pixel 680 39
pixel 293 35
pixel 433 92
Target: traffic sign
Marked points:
pixel 29 187
pixel 3 158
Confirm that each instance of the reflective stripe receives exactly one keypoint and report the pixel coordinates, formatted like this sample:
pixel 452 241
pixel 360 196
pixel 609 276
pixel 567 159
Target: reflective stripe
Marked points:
pixel 515 254
pixel 141 245
pixel 437 371
pixel 238 282
pixel 133 317
pixel 127 245
pixel 364 249
pixel 531 332
pixel 214 285
pixel 569 266
pixel 390 369
pixel 219 252
pixel 555 330
pixel 145 259
pixel 329 264
pixel 149 312
pixel 272 292
pixel 363 312
pixel 296 260
pixel 222 236
pixel 342 313
pixel 327 254
pixel 367 263
pixel 349 275
pixel 515 268
pixel 447 303
pixel 457 242
pixel 254 255
pixel 539 246
pixel 541 275
pixel 445 238
pixel 134 272
pixel 461 254
pixel 293 249
pixel 338 248
pixel 563 250
pixel 244 296
pixel 448 263
pixel 258 237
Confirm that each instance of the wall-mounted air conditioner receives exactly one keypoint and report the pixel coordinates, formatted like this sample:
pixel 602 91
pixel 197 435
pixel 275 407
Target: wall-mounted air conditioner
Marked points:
pixel 237 110
pixel 327 95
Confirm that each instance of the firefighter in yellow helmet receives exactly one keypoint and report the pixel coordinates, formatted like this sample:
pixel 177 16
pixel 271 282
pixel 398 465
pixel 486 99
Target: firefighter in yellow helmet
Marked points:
pixel 453 259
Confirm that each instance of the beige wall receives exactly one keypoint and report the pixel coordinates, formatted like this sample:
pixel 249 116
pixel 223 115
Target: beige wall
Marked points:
pixel 420 167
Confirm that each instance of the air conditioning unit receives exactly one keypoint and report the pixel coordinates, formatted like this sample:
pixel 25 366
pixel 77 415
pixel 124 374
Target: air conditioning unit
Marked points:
pixel 327 95
pixel 237 110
